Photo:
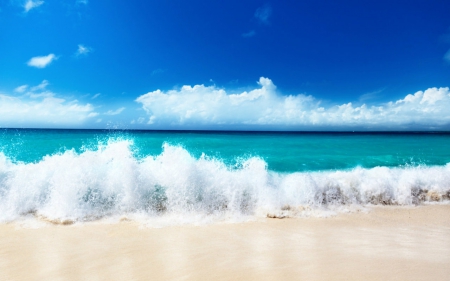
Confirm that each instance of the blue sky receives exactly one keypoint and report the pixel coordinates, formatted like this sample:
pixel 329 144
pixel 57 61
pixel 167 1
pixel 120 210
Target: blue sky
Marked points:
pixel 294 65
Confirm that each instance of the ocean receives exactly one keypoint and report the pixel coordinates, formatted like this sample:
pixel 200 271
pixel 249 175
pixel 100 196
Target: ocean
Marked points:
pixel 194 177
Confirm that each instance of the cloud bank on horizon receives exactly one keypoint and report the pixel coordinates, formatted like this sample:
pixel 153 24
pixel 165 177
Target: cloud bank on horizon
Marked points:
pixel 209 106
pixel 38 107
pixel 212 107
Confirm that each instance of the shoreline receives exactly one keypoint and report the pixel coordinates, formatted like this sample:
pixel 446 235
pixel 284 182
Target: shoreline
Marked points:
pixel 386 243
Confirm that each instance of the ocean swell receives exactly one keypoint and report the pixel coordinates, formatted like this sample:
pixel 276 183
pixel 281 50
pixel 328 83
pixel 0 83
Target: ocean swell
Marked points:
pixel 110 181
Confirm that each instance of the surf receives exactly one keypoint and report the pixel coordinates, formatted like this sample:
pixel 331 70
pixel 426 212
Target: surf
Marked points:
pixel 111 181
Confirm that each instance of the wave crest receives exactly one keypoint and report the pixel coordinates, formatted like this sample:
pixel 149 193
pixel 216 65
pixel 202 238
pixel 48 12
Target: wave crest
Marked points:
pixel 111 181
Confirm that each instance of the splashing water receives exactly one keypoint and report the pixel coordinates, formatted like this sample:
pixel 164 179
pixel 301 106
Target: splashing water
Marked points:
pixel 174 186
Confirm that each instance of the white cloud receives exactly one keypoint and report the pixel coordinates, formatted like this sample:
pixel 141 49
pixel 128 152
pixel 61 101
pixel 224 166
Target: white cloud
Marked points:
pixel 85 2
pixel 41 62
pixel 96 96
pixel 371 95
pixel 30 4
pixel 263 13
pixel 115 112
pixel 140 120
pixel 93 114
pixel 42 108
pixel 264 106
pixel 41 86
pixel 82 50
pixel 447 56
pixel 251 33
pixel 21 89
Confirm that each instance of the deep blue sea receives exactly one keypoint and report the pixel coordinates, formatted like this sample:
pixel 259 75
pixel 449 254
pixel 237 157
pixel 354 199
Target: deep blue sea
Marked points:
pixel 192 176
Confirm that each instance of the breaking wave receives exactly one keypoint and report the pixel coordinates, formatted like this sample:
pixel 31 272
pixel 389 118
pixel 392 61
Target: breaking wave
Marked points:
pixel 175 187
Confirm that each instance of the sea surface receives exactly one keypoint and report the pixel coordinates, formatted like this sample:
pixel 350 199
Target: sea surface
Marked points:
pixel 193 177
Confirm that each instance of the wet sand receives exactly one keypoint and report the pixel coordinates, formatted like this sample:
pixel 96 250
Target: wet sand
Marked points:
pixel 388 243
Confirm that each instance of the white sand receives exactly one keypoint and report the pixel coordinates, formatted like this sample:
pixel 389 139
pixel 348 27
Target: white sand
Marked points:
pixel 388 243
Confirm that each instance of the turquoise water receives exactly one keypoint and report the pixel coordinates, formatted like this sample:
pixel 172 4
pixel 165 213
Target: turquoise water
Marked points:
pixel 167 178
pixel 283 152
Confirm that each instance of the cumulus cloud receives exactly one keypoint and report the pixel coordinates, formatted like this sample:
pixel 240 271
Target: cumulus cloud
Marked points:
pixel 115 112
pixel 30 4
pixel 43 108
pixel 208 106
pixel 82 50
pixel 41 62
pixel 262 14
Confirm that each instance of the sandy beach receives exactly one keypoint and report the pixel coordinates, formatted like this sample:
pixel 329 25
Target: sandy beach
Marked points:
pixel 387 243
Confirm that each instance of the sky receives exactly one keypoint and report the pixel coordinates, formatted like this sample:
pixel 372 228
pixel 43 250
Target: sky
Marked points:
pixel 225 65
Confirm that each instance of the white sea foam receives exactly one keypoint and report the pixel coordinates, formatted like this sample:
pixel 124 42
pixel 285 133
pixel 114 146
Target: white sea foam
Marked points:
pixel 175 187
